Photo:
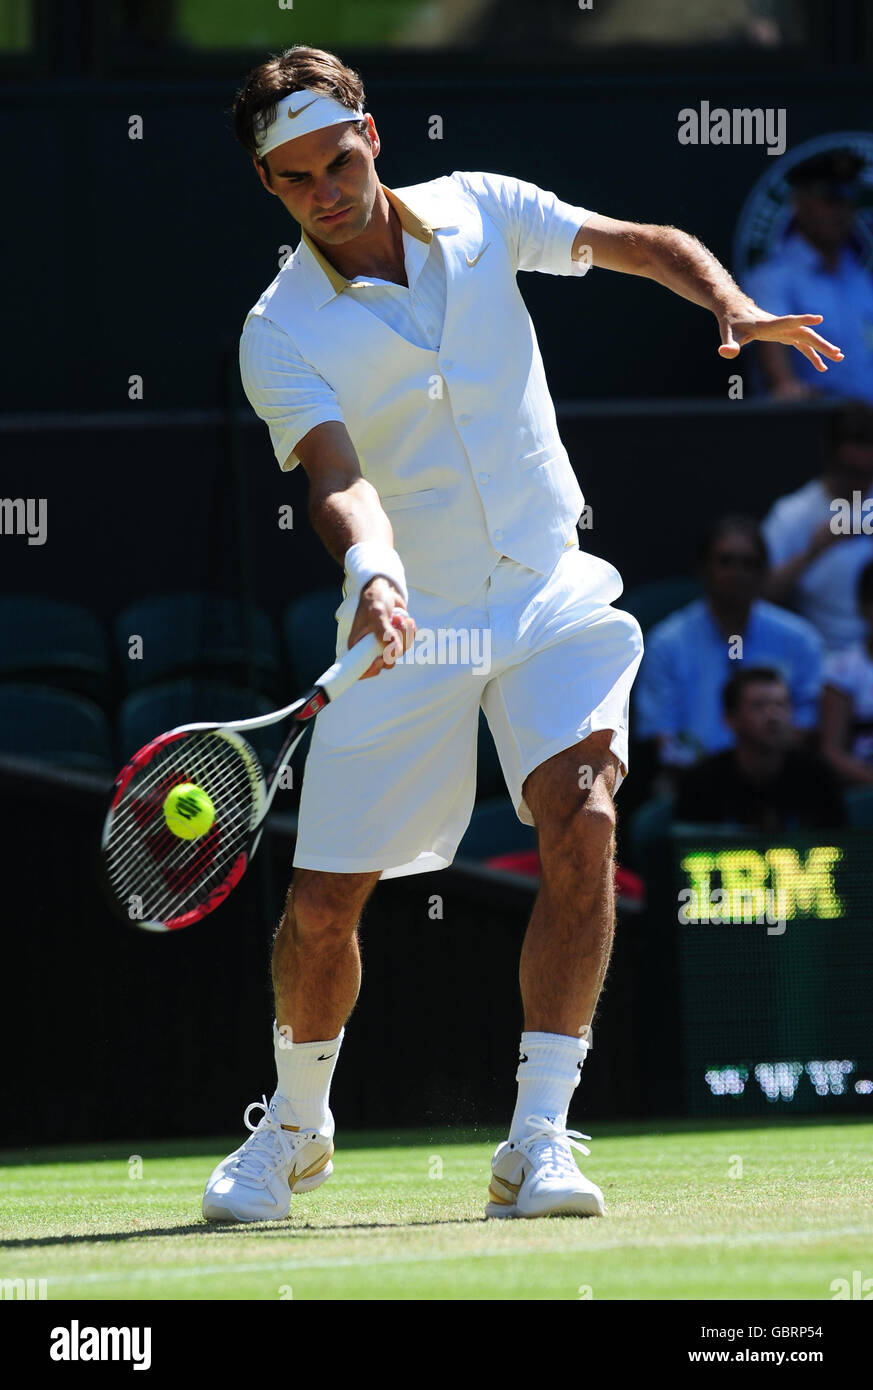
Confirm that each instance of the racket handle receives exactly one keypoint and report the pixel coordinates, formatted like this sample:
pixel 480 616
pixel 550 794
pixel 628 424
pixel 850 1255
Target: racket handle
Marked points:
pixel 351 666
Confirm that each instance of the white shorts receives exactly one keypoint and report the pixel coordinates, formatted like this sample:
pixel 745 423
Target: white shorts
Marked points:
pixel 390 779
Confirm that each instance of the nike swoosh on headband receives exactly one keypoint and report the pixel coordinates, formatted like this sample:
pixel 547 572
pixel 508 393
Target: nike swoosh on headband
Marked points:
pixel 301 109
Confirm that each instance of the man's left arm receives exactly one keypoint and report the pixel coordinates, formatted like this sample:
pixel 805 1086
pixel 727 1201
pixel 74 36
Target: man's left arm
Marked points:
pixel 805 685
pixel 683 264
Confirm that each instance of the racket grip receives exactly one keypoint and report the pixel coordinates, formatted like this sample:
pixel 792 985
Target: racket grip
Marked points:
pixel 351 666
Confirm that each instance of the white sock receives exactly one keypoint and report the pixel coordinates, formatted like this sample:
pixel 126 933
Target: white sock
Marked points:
pixel 304 1072
pixel 549 1070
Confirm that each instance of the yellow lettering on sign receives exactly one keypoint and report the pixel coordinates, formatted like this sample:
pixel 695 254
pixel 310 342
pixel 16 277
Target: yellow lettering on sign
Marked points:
pixel 808 888
pixel 755 885
pixel 699 866
pixel 744 875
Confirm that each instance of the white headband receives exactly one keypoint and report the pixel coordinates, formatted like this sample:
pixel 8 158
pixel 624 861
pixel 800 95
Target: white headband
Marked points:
pixel 299 114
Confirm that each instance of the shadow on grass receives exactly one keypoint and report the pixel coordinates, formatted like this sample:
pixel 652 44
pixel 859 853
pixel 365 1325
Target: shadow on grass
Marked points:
pixel 271 1230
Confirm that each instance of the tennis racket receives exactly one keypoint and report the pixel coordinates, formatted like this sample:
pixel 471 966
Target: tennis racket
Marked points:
pixel 162 882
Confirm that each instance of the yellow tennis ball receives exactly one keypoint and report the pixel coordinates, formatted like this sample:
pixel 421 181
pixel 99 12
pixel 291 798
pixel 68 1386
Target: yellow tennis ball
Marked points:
pixel 188 811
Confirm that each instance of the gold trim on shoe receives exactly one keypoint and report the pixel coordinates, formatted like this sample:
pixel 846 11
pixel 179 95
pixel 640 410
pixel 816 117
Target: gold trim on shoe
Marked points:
pixel 512 1187
pixel 294 1177
pixel 501 1201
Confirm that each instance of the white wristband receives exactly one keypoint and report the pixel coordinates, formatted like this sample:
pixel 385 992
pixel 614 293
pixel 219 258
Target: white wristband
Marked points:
pixel 368 559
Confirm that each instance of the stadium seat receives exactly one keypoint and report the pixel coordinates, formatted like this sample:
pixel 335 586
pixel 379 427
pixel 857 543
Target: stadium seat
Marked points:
pixel 495 829
pixel 54 643
pixel 859 806
pixel 197 635
pixel 55 727
pixel 647 828
pixel 147 713
pixel 652 602
pixel 309 629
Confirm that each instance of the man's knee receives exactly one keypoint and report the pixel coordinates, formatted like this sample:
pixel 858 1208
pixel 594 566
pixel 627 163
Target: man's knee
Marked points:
pixel 323 908
pixel 579 840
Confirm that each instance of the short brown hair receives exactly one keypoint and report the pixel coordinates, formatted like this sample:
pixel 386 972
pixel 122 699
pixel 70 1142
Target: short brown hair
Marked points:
pixel 734 689
pixel 299 66
pixel 851 423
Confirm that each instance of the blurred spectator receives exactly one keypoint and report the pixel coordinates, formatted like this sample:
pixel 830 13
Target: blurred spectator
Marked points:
pixel 847 699
pixel 818 269
pixel 762 783
pixel 691 655
pixel 813 565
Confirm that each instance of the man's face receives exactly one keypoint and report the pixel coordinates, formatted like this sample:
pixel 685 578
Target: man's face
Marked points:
pixel 822 217
pixel 733 573
pixel 763 718
pixel 855 461
pixel 328 171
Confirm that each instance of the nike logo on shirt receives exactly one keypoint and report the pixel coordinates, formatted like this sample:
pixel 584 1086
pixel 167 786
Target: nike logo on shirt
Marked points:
pixel 478 258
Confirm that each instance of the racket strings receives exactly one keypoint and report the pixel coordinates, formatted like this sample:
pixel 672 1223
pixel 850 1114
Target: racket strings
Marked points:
pixel 171 876
pixel 150 867
pixel 213 769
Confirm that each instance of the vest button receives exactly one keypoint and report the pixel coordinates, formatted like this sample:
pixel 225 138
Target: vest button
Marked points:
pixel 483 477
pixel 463 419
pixel 447 365
pixel 498 535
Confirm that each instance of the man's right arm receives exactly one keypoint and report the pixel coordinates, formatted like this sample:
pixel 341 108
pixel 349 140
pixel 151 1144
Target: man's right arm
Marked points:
pixel 781 580
pixel 345 511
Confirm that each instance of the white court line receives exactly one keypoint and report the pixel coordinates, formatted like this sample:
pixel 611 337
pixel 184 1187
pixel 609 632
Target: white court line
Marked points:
pixel 348 1262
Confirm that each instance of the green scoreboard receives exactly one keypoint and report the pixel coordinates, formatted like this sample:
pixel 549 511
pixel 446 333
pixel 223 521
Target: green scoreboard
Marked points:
pixel 773 971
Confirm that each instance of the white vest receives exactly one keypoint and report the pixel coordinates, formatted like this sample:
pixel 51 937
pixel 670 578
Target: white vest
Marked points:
pixel 460 443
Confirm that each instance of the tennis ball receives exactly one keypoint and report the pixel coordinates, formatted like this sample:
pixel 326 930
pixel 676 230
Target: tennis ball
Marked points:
pixel 188 811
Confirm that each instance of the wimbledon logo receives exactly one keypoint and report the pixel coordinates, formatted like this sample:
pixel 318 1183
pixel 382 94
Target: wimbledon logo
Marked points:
pixel 767 210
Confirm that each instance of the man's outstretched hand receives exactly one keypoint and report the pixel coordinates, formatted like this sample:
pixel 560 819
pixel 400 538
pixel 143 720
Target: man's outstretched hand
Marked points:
pixel 793 330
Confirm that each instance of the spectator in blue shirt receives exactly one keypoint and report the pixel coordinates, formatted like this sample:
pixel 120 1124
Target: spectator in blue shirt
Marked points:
pixel 820 262
pixel 762 782
pixel 847 700
pixel 815 562
pixel 691 655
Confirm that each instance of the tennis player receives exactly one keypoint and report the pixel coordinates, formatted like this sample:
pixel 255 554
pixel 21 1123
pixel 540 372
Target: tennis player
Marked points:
pixel 393 357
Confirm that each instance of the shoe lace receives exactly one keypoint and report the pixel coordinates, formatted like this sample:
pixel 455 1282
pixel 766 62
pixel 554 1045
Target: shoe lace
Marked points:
pixel 553 1145
pixel 271 1146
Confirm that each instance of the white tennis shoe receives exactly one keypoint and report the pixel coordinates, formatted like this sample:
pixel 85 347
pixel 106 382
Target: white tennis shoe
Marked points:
pixel 256 1181
pixel 538 1175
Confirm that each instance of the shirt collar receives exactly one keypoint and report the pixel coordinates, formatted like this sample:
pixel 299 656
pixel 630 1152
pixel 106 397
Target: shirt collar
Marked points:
pixel 807 258
pixel 325 281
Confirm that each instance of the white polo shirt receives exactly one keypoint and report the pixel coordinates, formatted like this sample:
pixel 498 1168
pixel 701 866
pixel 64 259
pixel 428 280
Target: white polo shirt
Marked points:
pixel 292 398
pixel 439 383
